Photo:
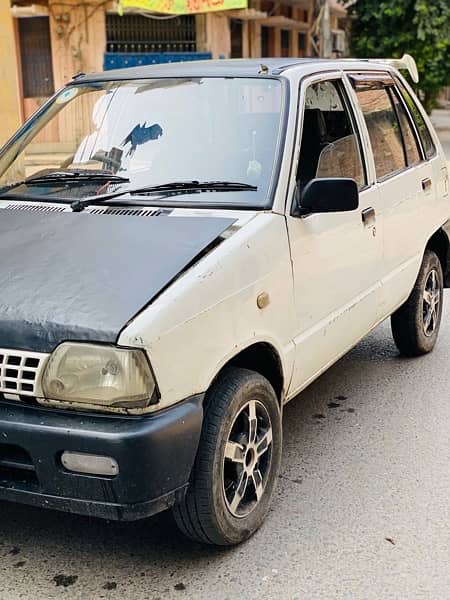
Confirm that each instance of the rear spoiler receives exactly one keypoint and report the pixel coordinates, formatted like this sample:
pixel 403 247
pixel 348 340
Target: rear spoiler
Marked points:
pixel 405 62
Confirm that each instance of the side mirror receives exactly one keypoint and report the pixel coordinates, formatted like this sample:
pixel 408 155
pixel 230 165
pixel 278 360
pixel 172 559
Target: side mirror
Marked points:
pixel 327 194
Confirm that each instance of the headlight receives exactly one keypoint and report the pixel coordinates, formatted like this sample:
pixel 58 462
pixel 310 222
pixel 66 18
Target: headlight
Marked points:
pixel 96 376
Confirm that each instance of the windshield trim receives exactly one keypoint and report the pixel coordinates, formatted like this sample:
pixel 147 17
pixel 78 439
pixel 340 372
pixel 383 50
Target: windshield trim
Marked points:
pixel 278 151
pixel 281 141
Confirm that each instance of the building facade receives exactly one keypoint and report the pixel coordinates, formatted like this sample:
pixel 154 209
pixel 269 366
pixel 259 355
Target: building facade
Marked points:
pixel 48 41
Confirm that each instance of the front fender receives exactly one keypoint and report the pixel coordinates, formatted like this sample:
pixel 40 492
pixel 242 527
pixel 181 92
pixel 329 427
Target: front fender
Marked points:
pixel 210 313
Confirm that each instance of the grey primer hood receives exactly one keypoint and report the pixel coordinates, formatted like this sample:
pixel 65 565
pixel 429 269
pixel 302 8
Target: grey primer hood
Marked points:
pixel 78 276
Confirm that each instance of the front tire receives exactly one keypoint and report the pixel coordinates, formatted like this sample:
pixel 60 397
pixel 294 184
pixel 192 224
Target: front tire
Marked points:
pixel 415 325
pixel 238 461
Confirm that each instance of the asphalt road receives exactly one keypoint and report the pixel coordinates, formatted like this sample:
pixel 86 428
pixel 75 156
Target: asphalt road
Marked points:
pixel 441 122
pixel 362 509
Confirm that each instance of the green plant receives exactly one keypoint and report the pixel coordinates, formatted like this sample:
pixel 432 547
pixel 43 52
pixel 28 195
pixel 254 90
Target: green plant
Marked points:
pixel 419 27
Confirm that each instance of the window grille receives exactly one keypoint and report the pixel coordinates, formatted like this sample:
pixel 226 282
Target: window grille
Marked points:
pixel 137 34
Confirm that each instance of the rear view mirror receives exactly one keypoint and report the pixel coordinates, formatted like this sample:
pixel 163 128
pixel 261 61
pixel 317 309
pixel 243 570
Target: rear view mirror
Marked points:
pixel 328 194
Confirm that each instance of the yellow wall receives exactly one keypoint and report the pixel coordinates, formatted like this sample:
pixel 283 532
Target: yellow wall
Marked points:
pixel 9 87
pixel 218 40
pixel 78 38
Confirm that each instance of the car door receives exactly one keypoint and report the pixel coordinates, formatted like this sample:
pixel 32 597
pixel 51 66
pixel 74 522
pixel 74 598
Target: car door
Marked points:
pixel 403 179
pixel 336 257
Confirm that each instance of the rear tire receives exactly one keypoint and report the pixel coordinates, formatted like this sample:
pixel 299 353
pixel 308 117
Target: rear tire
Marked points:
pixel 415 325
pixel 237 463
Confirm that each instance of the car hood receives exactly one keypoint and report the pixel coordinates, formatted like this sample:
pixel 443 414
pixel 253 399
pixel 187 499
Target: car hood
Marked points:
pixel 79 276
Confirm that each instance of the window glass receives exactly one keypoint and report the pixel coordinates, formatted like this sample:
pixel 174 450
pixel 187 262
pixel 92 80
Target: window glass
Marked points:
pixel 384 131
pixel 422 128
pixel 227 130
pixel 329 146
pixel 409 139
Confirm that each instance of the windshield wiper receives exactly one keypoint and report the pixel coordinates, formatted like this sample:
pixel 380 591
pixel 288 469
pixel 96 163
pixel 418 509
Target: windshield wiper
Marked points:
pixel 86 176
pixel 71 176
pixel 173 188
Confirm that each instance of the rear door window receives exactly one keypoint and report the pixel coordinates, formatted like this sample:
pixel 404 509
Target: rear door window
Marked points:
pixel 424 132
pixel 409 139
pixel 384 130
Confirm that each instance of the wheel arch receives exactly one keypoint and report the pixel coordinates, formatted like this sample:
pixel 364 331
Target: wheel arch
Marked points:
pixel 439 243
pixel 263 358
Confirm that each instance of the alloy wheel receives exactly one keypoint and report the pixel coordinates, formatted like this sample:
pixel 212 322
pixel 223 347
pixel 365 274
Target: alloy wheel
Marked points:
pixel 431 301
pixel 247 459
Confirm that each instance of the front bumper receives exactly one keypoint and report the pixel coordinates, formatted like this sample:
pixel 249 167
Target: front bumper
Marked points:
pixel 155 455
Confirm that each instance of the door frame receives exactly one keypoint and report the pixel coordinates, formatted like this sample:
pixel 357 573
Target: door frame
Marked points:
pixel 369 190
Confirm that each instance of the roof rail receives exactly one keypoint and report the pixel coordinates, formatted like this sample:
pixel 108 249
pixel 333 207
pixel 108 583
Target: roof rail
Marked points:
pixel 405 62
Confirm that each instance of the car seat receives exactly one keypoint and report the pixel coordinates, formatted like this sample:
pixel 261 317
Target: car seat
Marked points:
pixel 314 140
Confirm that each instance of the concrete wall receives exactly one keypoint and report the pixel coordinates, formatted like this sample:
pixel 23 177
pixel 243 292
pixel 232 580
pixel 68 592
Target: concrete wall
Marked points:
pixel 78 38
pixel 9 96
pixel 218 40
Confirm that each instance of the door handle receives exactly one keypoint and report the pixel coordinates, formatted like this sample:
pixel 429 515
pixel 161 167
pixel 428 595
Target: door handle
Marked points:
pixel 426 184
pixel 368 216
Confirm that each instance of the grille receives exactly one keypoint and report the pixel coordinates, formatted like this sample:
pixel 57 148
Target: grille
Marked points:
pixel 137 212
pixel 35 207
pixel 138 34
pixel 19 371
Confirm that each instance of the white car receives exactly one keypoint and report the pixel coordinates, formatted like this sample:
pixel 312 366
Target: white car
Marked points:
pixel 185 248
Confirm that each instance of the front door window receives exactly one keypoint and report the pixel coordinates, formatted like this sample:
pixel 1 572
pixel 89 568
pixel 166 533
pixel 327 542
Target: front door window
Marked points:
pixel 330 146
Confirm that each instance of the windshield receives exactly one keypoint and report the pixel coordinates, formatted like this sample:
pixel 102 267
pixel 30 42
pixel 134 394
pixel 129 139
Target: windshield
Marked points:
pixel 150 132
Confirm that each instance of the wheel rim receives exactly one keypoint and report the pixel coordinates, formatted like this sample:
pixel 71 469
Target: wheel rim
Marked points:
pixel 247 459
pixel 431 302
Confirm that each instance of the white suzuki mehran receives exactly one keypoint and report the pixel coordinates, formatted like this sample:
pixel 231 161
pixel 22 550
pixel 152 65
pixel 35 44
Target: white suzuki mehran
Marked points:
pixel 184 248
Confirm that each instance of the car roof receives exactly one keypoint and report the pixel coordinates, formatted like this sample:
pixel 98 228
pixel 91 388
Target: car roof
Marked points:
pixel 236 67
